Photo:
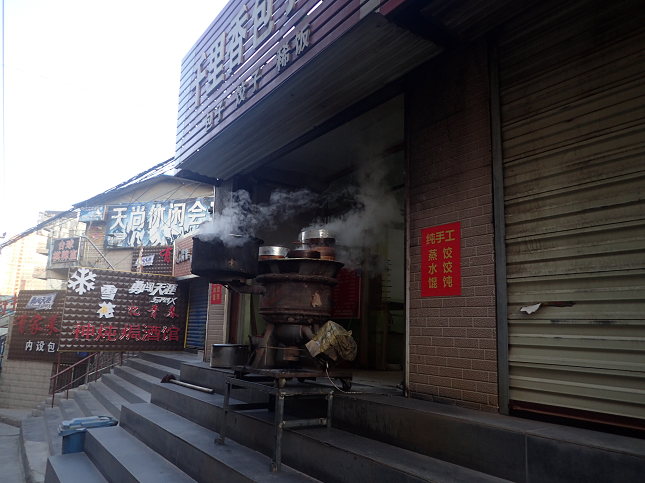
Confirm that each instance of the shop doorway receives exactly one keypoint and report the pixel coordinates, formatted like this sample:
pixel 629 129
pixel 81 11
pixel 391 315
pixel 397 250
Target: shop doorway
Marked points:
pixel 358 172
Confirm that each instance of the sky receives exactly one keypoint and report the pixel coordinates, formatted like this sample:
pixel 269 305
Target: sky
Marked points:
pixel 90 92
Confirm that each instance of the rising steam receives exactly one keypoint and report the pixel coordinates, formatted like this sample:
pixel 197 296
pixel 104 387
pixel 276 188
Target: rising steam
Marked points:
pixel 241 216
pixel 374 207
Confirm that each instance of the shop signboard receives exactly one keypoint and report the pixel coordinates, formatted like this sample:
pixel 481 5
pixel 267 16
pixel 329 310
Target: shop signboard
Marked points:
pixel 250 48
pixel 65 250
pixel 109 310
pixel 154 223
pixel 92 213
pixel 441 260
pixel 36 325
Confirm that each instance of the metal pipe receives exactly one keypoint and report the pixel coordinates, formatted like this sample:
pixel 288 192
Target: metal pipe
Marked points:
pixel 100 253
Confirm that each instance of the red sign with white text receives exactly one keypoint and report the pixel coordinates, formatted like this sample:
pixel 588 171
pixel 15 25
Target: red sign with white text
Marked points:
pixel 216 294
pixel 441 260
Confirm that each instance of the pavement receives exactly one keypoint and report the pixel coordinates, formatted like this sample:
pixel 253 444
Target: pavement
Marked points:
pixel 11 468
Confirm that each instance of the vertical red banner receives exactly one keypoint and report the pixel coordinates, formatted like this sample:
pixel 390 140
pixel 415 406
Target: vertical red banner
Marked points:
pixel 216 294
pixel 441 260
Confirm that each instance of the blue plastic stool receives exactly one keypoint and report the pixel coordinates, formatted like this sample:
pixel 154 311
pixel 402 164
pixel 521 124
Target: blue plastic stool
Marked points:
pixel 73 431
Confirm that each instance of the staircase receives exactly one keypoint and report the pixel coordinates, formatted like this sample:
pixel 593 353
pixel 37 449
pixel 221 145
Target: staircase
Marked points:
pixel 167 432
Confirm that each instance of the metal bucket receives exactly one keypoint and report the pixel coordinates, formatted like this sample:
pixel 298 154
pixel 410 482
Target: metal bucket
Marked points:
pixel 229 355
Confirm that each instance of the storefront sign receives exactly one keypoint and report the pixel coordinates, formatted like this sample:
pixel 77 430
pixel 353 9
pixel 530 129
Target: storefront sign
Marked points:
pixel 154 223
pixel 107 310
pixel 216 294
pixel 92 213
pixel 65 250
pixel 41 302
pixel 346 296
pixel 441 261
pixel 249 49
pixel 36 325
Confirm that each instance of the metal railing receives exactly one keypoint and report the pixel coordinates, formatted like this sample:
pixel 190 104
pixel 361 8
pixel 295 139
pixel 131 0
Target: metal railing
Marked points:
pixel 97 364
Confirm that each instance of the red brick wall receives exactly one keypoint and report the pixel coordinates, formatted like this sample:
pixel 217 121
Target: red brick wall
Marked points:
pixel 453 356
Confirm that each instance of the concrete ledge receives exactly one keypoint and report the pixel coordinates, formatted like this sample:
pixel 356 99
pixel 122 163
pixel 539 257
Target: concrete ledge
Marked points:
pixel 13 417
pixel 512 448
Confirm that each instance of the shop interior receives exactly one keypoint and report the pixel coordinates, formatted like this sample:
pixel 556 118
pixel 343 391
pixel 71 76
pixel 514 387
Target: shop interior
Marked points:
pixel 353 183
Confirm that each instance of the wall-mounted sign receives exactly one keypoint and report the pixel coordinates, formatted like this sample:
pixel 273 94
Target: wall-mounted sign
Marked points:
pixel 441 260
pixel 36 325
pixel 216 294
pixel 92 213
pixel 183 257
pixel 108 310
pixel 41 302
pixel 154 223
pixel 64 250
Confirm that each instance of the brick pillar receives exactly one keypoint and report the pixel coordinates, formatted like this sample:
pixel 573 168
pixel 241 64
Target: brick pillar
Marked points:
pixel 453 355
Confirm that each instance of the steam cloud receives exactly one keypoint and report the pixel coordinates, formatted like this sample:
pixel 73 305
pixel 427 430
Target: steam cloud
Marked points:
pixel 241 217
pixel 374 208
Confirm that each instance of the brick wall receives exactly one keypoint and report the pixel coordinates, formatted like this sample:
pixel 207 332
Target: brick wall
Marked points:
pixel 453 356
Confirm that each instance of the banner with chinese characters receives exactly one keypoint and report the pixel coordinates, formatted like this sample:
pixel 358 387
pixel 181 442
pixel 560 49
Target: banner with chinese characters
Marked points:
pixel 154 223
pixel 36 325
pixel 108 310
pixel 441 260
pixel 64 250
pixel 216 294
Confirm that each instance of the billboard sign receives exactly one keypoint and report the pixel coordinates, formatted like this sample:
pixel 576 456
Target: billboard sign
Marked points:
pixel 154 223
pixel 64 250
pixel 109 310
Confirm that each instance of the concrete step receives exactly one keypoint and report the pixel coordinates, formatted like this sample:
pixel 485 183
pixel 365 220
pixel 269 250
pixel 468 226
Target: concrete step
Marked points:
pixel 354 458
pixel 152 368
pixel 34 449
pixel 90 405
pixel 122 458
pixel 183 442
pixel 53 418
pixel 169 359
pixel 138 378
pixel 108 398
pixel 125 389
pixel 71 409
pixel 73 467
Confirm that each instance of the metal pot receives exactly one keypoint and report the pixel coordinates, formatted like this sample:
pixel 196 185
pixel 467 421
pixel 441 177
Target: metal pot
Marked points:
pixel 222 261
pixel 273 252
pixel 229 355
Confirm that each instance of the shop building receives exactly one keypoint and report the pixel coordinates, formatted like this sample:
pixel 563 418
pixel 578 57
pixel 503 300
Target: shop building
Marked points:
pixel 518 125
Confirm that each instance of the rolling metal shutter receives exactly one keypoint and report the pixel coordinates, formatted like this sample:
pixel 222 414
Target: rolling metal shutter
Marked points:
pixel 572 88
pixel 197 314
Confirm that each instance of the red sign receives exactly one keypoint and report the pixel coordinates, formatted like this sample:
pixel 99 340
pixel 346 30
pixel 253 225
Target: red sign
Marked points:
pixel 346 296
pixel 441 260
pixel 216 294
